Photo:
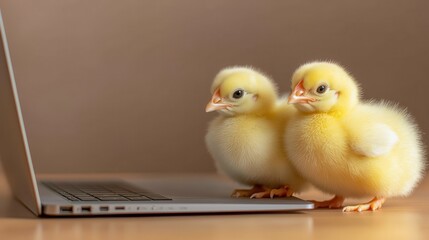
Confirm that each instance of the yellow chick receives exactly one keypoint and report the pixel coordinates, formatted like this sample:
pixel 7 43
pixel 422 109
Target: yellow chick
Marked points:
pixel 246 140
pixel 347 147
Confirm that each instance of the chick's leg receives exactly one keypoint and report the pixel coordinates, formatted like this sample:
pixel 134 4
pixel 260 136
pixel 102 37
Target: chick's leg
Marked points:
pixel 247 192
pixel 372 205
pixel 336 202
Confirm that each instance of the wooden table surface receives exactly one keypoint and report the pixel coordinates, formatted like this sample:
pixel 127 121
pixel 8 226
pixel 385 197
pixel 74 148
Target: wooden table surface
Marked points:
pixel 405 218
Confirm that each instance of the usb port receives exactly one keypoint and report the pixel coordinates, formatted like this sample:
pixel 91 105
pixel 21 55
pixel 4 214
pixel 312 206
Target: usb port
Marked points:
pixel 119 208
pixel 85 209
pixel 66 209
pixel 104 208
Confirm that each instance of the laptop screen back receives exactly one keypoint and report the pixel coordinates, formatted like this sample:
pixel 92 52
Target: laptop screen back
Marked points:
pixel 14 151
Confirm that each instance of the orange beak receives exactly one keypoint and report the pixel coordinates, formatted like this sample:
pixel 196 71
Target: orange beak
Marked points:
pixel 216 103
pixel 298 94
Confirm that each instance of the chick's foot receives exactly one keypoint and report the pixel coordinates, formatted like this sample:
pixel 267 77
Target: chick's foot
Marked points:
pixel 247 192
pixel 336 202
pixel 262 194
pixel 284 191
pixel 372 205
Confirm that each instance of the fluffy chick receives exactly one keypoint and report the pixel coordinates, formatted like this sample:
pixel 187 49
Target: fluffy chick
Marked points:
pixel 245 140
pixel 347 147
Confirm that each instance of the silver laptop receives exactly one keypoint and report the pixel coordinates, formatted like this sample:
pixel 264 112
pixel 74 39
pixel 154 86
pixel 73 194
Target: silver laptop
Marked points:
pixel 171 194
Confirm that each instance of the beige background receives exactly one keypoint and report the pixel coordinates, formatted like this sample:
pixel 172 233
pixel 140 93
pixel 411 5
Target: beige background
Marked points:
pixel 122 85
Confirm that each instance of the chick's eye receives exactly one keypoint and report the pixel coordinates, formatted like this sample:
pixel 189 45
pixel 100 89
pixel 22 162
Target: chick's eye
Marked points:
pixel 238 94
pixel 321 89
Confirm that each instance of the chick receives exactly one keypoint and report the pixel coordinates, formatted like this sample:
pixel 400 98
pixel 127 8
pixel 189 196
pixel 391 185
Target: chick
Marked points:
pixel 246 140
pixel 347 147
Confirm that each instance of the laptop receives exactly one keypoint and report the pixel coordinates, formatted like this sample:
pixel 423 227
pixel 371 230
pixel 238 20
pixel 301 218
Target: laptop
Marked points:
pixel 170 194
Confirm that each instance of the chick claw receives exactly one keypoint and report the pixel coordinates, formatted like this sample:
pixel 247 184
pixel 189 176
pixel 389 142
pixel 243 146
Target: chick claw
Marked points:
pixel 372 205
pixel 247 192
pixel 263 194
pixel 336 202
pixel 279 192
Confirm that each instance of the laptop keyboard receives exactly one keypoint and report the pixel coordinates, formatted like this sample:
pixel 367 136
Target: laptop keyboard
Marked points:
pixel 111 191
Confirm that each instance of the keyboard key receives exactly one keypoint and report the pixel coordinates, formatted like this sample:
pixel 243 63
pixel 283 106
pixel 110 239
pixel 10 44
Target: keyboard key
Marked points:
pixel 130 194
pixel 113 198
pixel 140 198
pixel 71 198
pixel 88 198
pixel 106 195
pixel 154 196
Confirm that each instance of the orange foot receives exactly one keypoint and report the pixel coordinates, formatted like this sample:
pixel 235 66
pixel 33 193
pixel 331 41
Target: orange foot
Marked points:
pixel 372 205
pixel 284 191
pixel 336 202
pixel 247 192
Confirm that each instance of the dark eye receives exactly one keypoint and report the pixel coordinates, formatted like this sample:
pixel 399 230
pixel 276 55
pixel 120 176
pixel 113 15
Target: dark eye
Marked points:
pixel 238 94
pixel 321 89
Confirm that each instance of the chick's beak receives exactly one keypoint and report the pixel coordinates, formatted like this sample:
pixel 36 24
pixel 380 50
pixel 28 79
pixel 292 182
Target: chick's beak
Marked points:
pixel 216 103
pixel 298 94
